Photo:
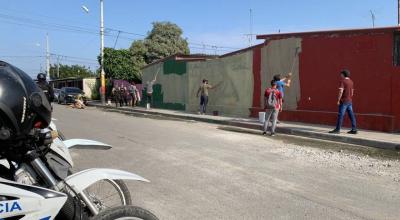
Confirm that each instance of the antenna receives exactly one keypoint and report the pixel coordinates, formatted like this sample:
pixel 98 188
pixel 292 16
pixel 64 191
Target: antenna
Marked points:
pixel 373 18
pixel 251 28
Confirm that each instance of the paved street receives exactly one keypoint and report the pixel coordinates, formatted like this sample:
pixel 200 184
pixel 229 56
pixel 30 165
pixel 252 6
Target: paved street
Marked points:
pixel 205 171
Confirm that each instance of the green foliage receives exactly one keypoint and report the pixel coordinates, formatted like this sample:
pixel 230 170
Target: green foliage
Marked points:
pixel 165 39
pixel 67 71
pixel 121 64
pixel 96 89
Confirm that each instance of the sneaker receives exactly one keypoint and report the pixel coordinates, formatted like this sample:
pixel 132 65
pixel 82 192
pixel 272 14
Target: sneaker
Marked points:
pixel 335 131
pixel 272 134
pixel 352 132
pixel 264 133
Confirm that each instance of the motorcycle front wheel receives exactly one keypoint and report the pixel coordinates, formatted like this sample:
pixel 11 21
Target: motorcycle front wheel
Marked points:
pixel 107 193
pixel 125 213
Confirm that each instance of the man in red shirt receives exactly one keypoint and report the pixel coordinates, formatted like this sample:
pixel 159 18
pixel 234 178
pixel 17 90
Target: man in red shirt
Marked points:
pixel 345 99
pixel 273 105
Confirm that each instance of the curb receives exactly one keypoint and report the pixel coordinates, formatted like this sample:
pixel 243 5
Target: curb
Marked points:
pixel 289 131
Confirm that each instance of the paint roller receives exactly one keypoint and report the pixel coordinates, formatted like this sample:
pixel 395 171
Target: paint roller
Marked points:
pixel 158 70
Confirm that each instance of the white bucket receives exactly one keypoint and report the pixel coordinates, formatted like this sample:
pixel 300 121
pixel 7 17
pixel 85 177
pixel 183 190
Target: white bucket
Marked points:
pixel 261 117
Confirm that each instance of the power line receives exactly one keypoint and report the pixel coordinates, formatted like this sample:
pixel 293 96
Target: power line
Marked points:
pixel 73 57
pixel 70 59
pixel 21 56
pixel 28 22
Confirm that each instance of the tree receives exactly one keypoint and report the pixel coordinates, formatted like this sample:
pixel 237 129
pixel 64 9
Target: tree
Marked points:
pixel 165 39
pixel 67 71
pixel 120 64
pixel 138 52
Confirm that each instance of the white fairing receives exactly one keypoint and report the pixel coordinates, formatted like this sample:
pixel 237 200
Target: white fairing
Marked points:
pixel 71 143
pixel 61 149
pixel 85 178
pixel 30 201
pixel 52 126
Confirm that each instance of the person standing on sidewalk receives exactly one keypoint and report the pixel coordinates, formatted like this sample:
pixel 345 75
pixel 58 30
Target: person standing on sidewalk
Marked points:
pixel 132 93
pixel 281 83
pixel 203 91
pixel 345 99
pixel 149 91
pixel 273 105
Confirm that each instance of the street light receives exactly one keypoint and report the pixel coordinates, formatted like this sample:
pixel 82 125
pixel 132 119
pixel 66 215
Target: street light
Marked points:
pixel 102 73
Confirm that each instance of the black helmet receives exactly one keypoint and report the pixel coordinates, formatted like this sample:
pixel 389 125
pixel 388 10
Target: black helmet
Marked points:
pixel 22 104
pixel 41 77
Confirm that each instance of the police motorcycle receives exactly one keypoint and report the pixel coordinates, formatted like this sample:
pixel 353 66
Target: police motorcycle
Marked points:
pixel 105 193
pixel 24 142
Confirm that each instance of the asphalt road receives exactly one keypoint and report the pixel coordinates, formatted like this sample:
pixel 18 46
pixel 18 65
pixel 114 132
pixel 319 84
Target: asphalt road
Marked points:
pixel 203 171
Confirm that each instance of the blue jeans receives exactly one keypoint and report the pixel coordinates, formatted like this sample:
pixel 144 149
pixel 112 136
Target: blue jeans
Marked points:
pixel 203 103
pixel 343 107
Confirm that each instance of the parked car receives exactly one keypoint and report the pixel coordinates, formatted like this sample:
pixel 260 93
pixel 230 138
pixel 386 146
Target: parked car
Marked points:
pixel 56 94
pixel 69 94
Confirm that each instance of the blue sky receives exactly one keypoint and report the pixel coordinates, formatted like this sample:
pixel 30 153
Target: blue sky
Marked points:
pixel 222 23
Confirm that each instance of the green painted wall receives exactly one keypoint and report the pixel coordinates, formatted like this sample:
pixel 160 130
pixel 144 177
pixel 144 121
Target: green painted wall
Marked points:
pixel 174 67
pixel 178 82
pixel 170 89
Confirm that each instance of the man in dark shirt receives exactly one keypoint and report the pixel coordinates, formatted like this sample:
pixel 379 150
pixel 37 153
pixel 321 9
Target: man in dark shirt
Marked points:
pixel 345 98
pixel 45 86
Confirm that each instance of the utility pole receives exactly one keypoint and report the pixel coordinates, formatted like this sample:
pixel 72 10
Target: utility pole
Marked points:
pixel 398 12
pixel 102 74
pixel 58 66
pixel 47 58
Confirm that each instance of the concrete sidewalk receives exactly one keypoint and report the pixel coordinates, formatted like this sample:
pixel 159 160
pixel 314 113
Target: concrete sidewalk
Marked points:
pixel 364 137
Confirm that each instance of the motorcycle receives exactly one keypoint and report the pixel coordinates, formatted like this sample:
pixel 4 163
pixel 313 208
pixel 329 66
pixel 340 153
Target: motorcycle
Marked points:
pixel 60 161
pixel 36 184
pixel 27 202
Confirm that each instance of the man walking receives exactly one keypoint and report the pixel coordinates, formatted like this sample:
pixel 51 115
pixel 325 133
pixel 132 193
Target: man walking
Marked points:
pixel 273 105
pixel 345 98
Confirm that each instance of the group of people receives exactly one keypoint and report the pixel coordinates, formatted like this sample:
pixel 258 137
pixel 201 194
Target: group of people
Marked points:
pixel 274 100
pixel 126 96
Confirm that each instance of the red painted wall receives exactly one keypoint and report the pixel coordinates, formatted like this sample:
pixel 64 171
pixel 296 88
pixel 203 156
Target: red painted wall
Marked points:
pixel 369 57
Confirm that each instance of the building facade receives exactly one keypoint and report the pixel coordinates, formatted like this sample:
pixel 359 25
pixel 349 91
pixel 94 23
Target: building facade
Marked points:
pixel 315 60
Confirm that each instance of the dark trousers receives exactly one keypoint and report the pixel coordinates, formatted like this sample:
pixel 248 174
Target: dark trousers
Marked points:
pixel 203 103
pixel 117 101
pixel 149 98
pixel 343 108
